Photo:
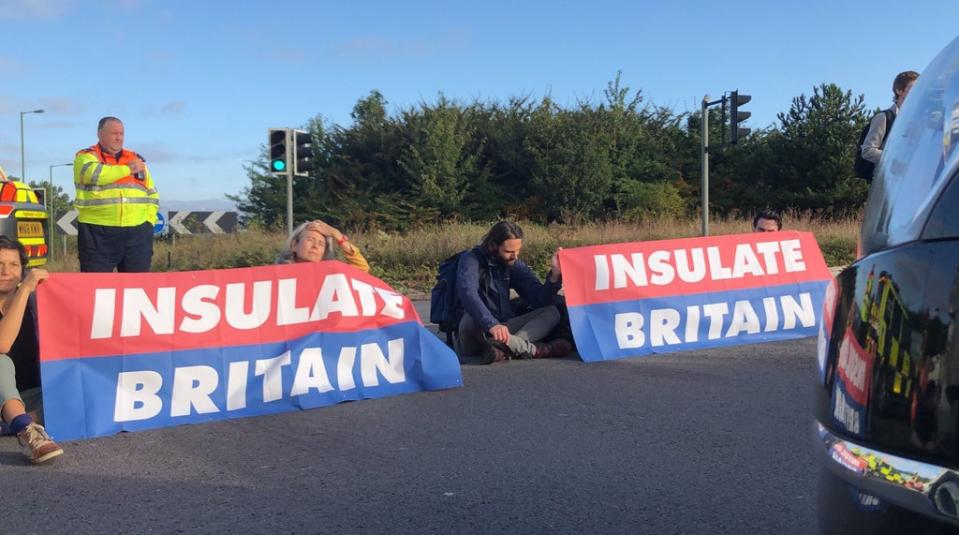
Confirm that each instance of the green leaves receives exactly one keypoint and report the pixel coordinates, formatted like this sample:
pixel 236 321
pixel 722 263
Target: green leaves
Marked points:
pixel 534 159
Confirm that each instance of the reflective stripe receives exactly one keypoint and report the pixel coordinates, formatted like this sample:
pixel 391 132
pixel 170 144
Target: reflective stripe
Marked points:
pixel 116 200
pixel 96 173
pixel 94 189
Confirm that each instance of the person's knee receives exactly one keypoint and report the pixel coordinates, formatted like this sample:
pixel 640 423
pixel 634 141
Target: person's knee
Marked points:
pixel 550 314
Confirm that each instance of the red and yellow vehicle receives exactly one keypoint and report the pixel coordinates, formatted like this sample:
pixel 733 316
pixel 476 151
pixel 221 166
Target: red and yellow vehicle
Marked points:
pixel 24 217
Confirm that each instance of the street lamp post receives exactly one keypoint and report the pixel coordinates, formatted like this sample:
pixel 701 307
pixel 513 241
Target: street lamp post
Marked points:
pixel 51 199
pixel 23 163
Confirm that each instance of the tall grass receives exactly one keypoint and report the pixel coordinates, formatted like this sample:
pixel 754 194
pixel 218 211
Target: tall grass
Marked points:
pixel 408 261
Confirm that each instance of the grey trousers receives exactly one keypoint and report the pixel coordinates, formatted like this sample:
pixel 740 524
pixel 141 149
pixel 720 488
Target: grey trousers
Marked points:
pixel 32 398
pixel 525 330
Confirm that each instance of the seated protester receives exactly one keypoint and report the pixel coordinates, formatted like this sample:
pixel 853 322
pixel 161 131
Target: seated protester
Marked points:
pixel 314 241
pixel 767 221
pixel 19 356
pixel 488 331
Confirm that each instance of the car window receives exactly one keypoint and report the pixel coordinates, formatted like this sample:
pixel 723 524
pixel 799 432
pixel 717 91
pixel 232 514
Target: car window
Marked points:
pixel 944 221
pixel 920 153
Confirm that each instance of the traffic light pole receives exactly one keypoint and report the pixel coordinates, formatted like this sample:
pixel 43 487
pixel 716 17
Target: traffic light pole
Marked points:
pixel 704 156
pixel 289 193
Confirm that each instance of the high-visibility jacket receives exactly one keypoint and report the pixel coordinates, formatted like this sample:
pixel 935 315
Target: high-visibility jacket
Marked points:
pixel 107 194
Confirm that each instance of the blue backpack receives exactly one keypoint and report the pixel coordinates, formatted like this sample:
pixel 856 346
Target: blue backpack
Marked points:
pixel 445 308
pixel 446 311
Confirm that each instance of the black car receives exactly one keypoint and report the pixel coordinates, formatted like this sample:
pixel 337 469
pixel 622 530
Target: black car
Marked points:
pixel 887 400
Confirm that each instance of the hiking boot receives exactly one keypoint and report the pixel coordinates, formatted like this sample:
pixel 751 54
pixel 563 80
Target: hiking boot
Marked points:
pixel 558 348
pixel 495 354
pixel 37 444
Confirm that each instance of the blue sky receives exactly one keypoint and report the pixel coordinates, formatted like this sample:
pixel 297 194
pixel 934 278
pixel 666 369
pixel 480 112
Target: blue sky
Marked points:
pixel 198 83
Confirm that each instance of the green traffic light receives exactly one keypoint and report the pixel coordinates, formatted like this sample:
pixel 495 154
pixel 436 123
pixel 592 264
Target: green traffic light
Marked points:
pixel 279 165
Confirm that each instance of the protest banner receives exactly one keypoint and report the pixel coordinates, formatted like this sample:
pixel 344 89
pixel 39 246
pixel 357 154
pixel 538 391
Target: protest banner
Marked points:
pixel 642 298
pixel 126 352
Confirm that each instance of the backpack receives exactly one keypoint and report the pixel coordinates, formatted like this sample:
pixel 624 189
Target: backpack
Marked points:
pixel 446 311
pixel 445 308
pixel 863 168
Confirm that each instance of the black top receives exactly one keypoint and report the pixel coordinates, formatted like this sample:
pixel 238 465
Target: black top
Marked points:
pixel 25 352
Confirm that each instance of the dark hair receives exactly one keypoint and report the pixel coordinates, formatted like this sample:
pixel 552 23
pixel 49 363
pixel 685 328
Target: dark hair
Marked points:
pixel 15 245
pixel 769 214
pixel 901 81
pixel 106 120
pixel 502 231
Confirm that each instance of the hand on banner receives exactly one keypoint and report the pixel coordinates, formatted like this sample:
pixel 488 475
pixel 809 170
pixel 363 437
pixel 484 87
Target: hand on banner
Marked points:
pixel 556 273
pixel 500 333
pixel 33 279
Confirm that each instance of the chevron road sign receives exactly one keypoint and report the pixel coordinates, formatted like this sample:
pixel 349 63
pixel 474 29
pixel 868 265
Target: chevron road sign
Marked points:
pixel 216 222
pixel 66 223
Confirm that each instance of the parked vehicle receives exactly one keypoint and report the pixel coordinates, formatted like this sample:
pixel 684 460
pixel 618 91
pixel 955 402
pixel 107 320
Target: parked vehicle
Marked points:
pixel 24 217
pixel 888 354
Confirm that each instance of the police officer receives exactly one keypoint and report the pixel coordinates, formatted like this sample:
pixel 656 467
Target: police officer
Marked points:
pixel 117 203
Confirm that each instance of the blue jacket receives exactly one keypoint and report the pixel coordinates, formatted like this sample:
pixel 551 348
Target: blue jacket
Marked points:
pixel 483 286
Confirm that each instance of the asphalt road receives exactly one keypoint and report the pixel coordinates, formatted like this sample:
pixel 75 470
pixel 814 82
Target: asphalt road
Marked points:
pixel 708 442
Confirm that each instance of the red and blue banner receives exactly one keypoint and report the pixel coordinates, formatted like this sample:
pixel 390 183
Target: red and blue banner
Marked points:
pixel 127 352
pixel 643 298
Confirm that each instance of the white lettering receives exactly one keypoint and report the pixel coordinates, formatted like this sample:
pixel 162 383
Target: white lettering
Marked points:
pixel 662 327
pixel 137 397
pixel 635 270
pixel 745 262
pixel 311 373
pixel 716 269
pixel 768 250
pixel 373 361
pixel 803 311
pixel 629 330
pixel 697 272
pixel 744 319
pixel 236 385
pixel 236 315
pixel 137 306
pixel 272 372
pixel 104 304
pixel 602 272
pixel 192 386
pixel 287 313
pixel 715 313
pixel 662 270
pixel 197 301
pixel 792 256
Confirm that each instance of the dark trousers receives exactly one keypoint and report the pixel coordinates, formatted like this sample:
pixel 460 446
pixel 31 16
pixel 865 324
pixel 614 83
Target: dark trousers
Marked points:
pixel 103 248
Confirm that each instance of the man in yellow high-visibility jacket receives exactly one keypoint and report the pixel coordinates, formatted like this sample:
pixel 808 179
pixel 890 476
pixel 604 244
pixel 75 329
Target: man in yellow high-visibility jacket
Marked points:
pixel 117 203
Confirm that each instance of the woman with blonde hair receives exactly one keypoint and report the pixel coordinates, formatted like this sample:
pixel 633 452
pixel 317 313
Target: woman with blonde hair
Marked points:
pixel 315 240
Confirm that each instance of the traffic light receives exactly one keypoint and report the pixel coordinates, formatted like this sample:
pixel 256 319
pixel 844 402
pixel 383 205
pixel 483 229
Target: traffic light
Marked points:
pixel 302 153
pixel 736 116
pixel 279 150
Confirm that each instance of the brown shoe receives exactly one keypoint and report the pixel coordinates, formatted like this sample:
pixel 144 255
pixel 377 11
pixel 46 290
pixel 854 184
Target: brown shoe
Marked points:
pixel 37 444
pixel 558 348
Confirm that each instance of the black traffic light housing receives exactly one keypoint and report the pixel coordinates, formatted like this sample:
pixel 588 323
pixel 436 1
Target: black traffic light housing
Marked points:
pixel 302 153
pixel 735 116
pixel 279 150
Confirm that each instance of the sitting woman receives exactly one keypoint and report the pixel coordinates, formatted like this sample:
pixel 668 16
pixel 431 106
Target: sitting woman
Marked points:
pixel 315 240
pixel 19 357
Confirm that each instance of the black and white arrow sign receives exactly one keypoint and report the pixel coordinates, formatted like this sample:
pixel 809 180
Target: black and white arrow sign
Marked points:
pixel 216 222
pixel 66 223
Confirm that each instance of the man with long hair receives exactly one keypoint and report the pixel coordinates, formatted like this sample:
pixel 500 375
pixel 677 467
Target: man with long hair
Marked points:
pixel 489 330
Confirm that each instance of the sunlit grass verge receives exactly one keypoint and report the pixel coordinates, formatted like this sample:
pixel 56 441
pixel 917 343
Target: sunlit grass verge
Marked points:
pixel 408 261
